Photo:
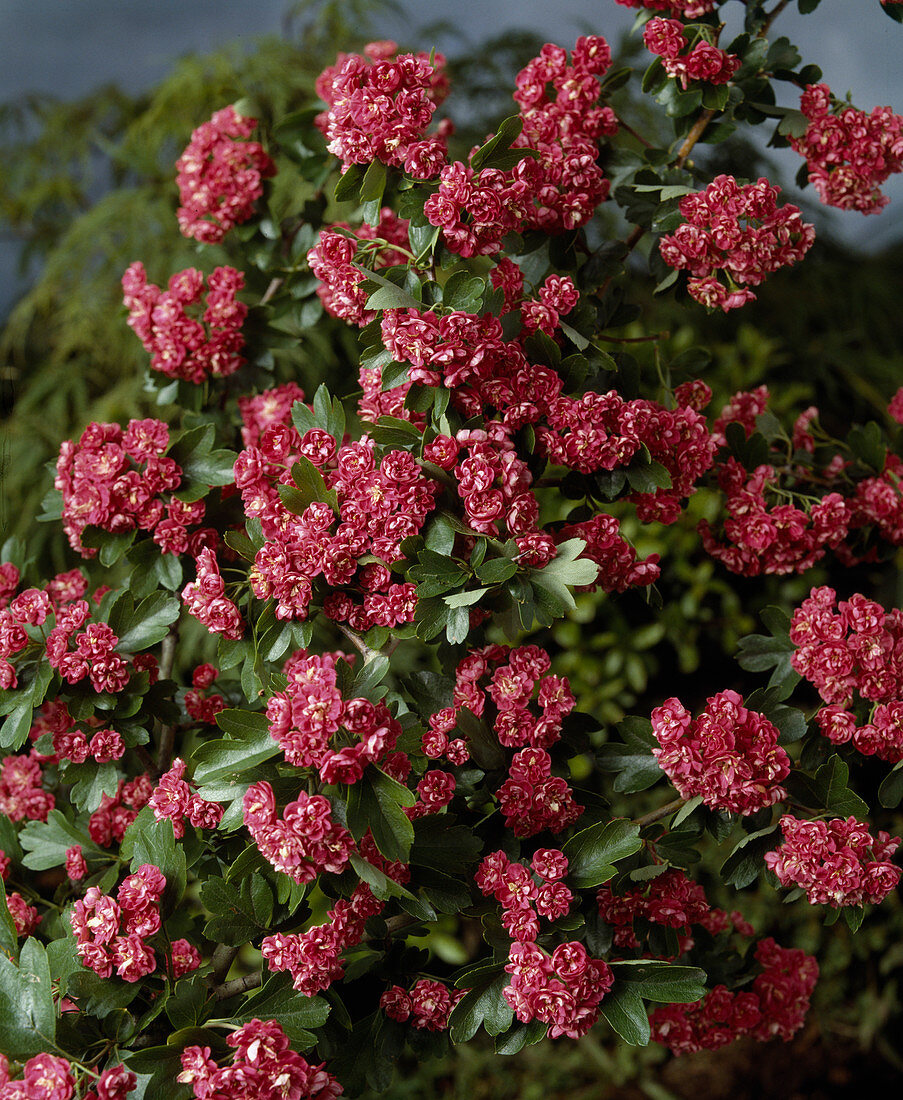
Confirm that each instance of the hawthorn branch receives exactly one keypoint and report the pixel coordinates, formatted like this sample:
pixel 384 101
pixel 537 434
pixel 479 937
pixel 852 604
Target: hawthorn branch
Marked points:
pixel 770 18
pixel 167 660
pixel 237 985
pixel 393 925
pixel 657 815
pixel 222 959
pixel 698 129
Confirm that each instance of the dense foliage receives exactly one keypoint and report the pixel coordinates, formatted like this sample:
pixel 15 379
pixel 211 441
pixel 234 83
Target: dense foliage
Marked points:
pixel 350 733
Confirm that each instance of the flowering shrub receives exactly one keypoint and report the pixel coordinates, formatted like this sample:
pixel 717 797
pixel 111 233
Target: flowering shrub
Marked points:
pixel 211 892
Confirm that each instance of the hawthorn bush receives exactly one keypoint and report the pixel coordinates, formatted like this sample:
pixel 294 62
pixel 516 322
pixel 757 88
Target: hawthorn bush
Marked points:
pixel 295 780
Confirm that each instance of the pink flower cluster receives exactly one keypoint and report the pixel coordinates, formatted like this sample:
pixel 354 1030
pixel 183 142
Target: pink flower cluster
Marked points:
pixel 526 893
pixel 313 958
pixel 44 1077
pixel 682 9
pixel 532 799
pixel 263 1065
pixel 21 792
pixel 849 648
pixel 113 479
pixel 559 184
pixel 738 230
pixel 729 755
pixel 173 800
pixel 619 567
pixel 562 990
pixel 304 840
pixel 335 257
pixel 25 916
pixel 603 432
pixel 220 176
pixel 76 864
pixel 672 900
pixel 206 598
pixel 759 537
pixel 93 657
pixel 705 63
pixel 183 341
pixel 427 1005
pixel 311 710
pixel 201 706
pixel 110 820
pixel 470 355
pixel 849 153
pixel 774 1006
pixel 836 862
pixel 112 933
pixel 379 107
pixel 380 502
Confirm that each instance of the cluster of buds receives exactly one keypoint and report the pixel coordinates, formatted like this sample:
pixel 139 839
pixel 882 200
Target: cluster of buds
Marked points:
pixel 304 840
pixel 206 598
pixel 427 1005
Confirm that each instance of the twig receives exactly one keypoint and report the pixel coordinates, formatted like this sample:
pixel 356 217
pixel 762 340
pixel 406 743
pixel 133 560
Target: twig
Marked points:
pixel 699 127
pixel 662 811
pixel 394 924
pixel 772 15
pixel 222 960
pixel 237 985
pixel 167 659
pixel 270 291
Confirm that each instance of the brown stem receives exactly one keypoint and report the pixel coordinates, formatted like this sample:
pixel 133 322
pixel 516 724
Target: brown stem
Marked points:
pixel 237 985
pixel 222 960
pixel 394 924
pixel 699 127
pixel 167 660
pixel 657 815
pixel 634 339
pixel 275 284
pixel 772 15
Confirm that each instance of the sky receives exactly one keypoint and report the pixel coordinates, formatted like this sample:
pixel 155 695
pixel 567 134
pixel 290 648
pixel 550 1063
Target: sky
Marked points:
pixel 69 47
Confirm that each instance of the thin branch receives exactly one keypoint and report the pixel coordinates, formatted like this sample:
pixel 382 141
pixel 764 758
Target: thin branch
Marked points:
pixel 237 985
pixel 699 128
pixel 270 291
pixel 394 924
pixel 167 660
pixel 222 960
pixel 772 15
pixel 662 811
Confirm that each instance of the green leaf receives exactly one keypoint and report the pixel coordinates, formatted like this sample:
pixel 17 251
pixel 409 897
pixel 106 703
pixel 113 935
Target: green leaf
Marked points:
pixel 376 802
pixel 277 1000
pixel 592 852
pixel 374 182
pixel 520 1036
pixel 17 724
pixel 388 295
pixel 239 914
pixel 662 981
pixel 369 677
pixel 890 793
pixel 623 1008
pixel 349 184
pixel 648 478
pixel 743 865
pixel 150 622
pixel 311 485
pixel 27 1013
pixel 483 1004
pixel 463 291
pixel 490 154
pixel 45 842
pixel 9 938
pixel 90 782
